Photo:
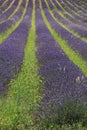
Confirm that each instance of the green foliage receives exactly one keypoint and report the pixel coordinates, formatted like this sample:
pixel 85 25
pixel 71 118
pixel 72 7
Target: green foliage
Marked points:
pixel 69 117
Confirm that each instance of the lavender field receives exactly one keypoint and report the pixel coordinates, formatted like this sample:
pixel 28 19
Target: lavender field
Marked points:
pixel 43 65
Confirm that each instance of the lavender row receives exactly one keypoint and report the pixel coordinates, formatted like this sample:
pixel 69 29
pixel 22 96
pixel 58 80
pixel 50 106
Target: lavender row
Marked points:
pixel 76 7
pixel 5 25
pixel 75 43
pixel 12 52
pixel 77 4
pixel 74 13
pixel 72 19
pixel 82 31
pixel 71 16
pixel 7 5
pixel 63 81
pixel 9 11
pixel 70 11
pixel 6 14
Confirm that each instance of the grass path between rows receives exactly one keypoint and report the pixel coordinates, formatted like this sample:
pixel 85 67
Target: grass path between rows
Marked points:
pixel 64 26
pixel 8 32
pixel 72 55
pixel 17 108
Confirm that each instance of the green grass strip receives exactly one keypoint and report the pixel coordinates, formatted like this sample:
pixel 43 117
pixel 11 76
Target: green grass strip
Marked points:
pixel 72 55
pixel 6 34
pixel 64 26
pixel 17 108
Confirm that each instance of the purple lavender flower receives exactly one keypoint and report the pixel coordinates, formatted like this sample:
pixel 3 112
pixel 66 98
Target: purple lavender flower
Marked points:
pixel 12 52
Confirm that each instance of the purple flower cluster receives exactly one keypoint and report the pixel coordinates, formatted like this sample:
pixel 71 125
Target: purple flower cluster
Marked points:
pixel 5 26
pixel 12 52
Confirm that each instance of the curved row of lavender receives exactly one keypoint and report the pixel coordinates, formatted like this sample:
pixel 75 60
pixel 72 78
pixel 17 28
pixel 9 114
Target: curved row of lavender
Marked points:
pixel 8 12
pixel 63 81
pixel 80 28
pixel 12 52
pixel 72 10
pixel 8 3
pixel 67 12
pixel 75 43
pixel 7 24
pixel 77 7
